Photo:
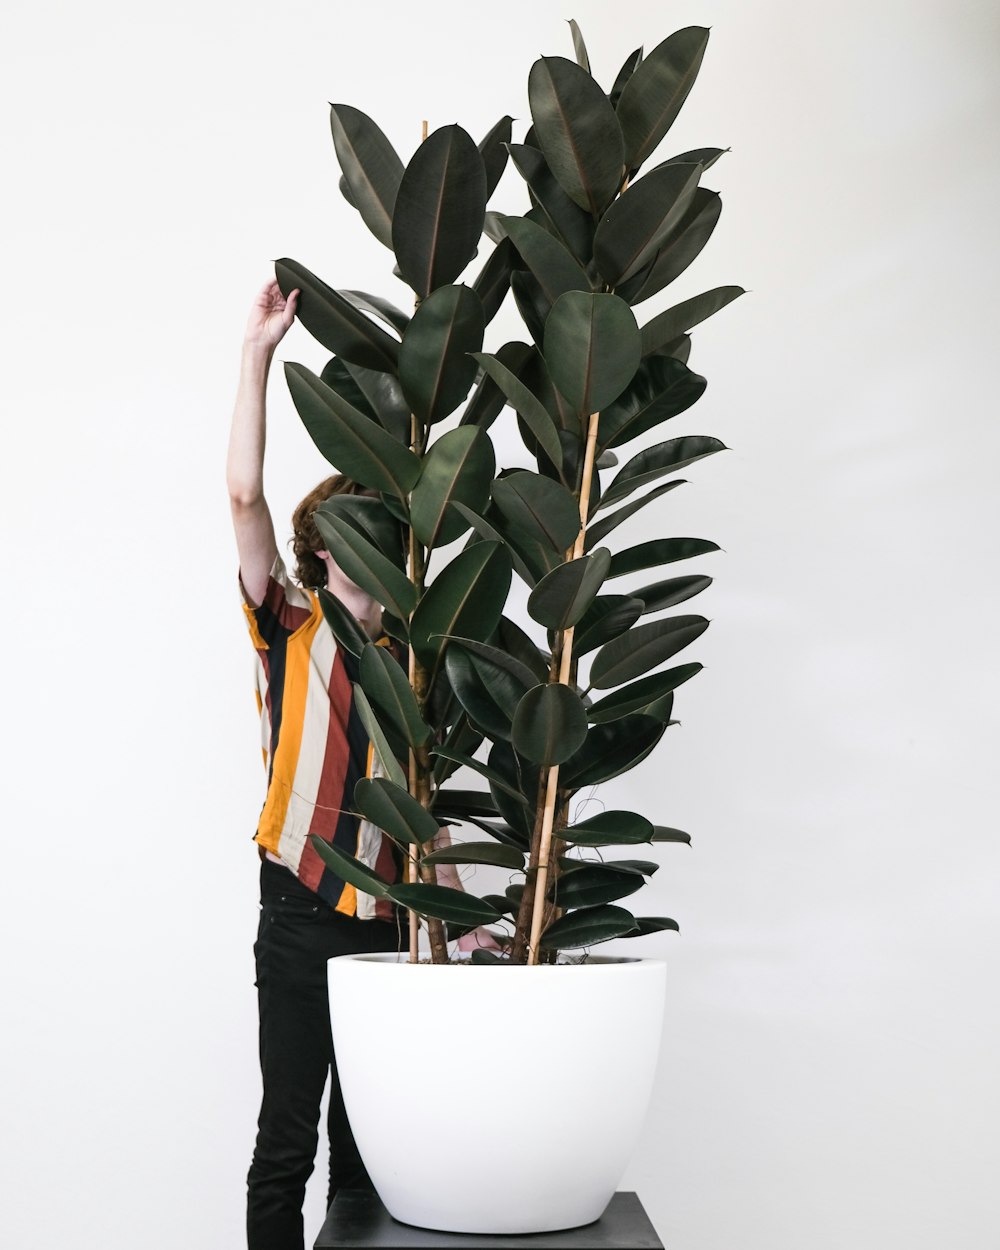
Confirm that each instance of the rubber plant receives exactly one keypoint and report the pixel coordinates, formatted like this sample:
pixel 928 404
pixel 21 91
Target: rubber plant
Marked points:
pixel 578 693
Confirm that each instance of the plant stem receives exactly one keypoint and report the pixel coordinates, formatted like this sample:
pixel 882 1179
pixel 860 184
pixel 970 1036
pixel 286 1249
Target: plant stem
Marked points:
pixel 565 671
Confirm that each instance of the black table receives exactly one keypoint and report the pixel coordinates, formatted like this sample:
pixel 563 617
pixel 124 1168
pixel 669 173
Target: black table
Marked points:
pixel 357 1220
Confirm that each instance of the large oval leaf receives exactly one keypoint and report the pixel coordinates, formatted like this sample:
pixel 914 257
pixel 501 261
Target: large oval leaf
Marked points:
pixel 612 828
pixel 586 927
pixel 556 270
pixel 663 387
pixel 679 250
pixel 477 853
pixel 435 368
pixel 637 224
pixel 466 598
pixel 372 392
pixel 671 591
pixel 543 509
pixel 650 696
pixel 350 441
pixel 394 810
pixel 371 166
pixel 611 750
pixel 484 770
pixel 343 623
pixel 385 683
pixel 550 724
pixel 444 903
pixel 524 403
pixel 372 519
pixel 667 457
pixel 658 551
pixel 493 280
pixel 438 216
pixel 562 597
pixel 493 150
pixel 391 766
pixel 366 566
pixel 488 683
pixel 644 925
pixel 654 94
pixel 553 209
pixel 487 400
pixel 577 130
pixel 675 321
pixel 600 529
pixel 642 648
pixel 349 869
pixel 334 321
pixel 593 884
pixel 458 468
pixel 592 347
pixel 606 618
pixel 623 75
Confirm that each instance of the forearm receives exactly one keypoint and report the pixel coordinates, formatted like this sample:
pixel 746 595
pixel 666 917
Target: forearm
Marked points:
pixel 245 459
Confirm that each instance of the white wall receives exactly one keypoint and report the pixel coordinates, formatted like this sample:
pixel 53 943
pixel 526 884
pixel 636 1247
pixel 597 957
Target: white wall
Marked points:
pixel 829 1075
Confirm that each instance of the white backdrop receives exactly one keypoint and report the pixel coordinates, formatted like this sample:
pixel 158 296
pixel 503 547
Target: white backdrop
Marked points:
pixel 829 1077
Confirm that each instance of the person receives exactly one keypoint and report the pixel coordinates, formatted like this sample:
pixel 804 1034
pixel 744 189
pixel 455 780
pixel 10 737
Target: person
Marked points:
pixel 315 749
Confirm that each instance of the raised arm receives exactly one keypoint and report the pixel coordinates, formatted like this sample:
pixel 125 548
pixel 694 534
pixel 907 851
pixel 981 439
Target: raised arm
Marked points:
pixel 270 317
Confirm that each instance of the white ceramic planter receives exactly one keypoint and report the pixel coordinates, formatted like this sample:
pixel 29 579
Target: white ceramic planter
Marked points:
pixel 439 1046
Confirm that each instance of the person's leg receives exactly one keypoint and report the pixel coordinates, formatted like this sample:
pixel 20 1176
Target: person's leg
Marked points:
pixel 295 1054
pixel 347 1171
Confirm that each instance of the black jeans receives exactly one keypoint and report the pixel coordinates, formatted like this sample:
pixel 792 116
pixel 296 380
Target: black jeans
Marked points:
pixel 298 933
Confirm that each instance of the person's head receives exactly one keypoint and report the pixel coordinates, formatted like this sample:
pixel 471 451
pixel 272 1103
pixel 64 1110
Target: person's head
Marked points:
pixel 310 569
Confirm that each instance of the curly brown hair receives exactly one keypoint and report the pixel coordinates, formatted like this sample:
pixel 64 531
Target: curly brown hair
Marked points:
pixel 310 571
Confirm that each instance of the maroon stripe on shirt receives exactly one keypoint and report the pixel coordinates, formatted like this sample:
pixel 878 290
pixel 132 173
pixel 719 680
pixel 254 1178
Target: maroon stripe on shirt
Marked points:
pixel 331 783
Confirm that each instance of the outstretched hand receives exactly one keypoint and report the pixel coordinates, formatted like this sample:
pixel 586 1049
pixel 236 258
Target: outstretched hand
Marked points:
pixel 271 315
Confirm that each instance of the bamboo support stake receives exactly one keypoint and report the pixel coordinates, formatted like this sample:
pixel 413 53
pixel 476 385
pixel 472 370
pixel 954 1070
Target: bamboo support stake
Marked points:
pixel 565 669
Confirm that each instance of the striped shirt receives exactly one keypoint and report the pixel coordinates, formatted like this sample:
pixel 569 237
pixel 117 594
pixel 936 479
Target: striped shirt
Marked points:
pixel 314 745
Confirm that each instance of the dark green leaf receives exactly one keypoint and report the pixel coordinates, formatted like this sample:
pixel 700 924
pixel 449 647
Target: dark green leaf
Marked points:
pixel 683 317
pixel 493 281
pixel 385 683
pixel 392 809
pixel 349 869
pixel 477 853
pixel 668 457
pixel 371 167
pixel 458 469
pixel 592 348
pixel 550 724
pixel 444 903
pixel 459 804
pixel 662 833
pixel 553 209
pixel 350 441
pixel 652 924
pixel 488 683
pixel 543 509
pixel 468 761
pixel 658 551
pixel 372 520
pixel 653 96
pixel 488 399
pixel 439 210
pixel 384 399
pixel 600 529
pixel 611 750
pixel 531 303
pixel 587 927
pixel 650 696
pixel 510 637
pixel 606 618
pixel 672 591
pixel 436 369
pixel 562 597
pixel 527 405
pixel 481 956
pixel 662 388
pixel 684 245
pixel 462 738
pixel 493 150
pixel 382 308
pixel 593 884
pixel 705 157
pixel 520 775
pixel 556 270
pixel 579 47
pixel 365 565
pixel 624 74
pixel 334 321
pixel 613 828
pixel 343 623
pixel 638 223
pixel 465 598
pixel 390 764
pixel 577 130
pixel 495 532
pixel 642 648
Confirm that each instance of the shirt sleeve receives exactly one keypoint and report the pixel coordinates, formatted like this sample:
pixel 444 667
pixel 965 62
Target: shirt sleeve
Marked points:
pixel 284 609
